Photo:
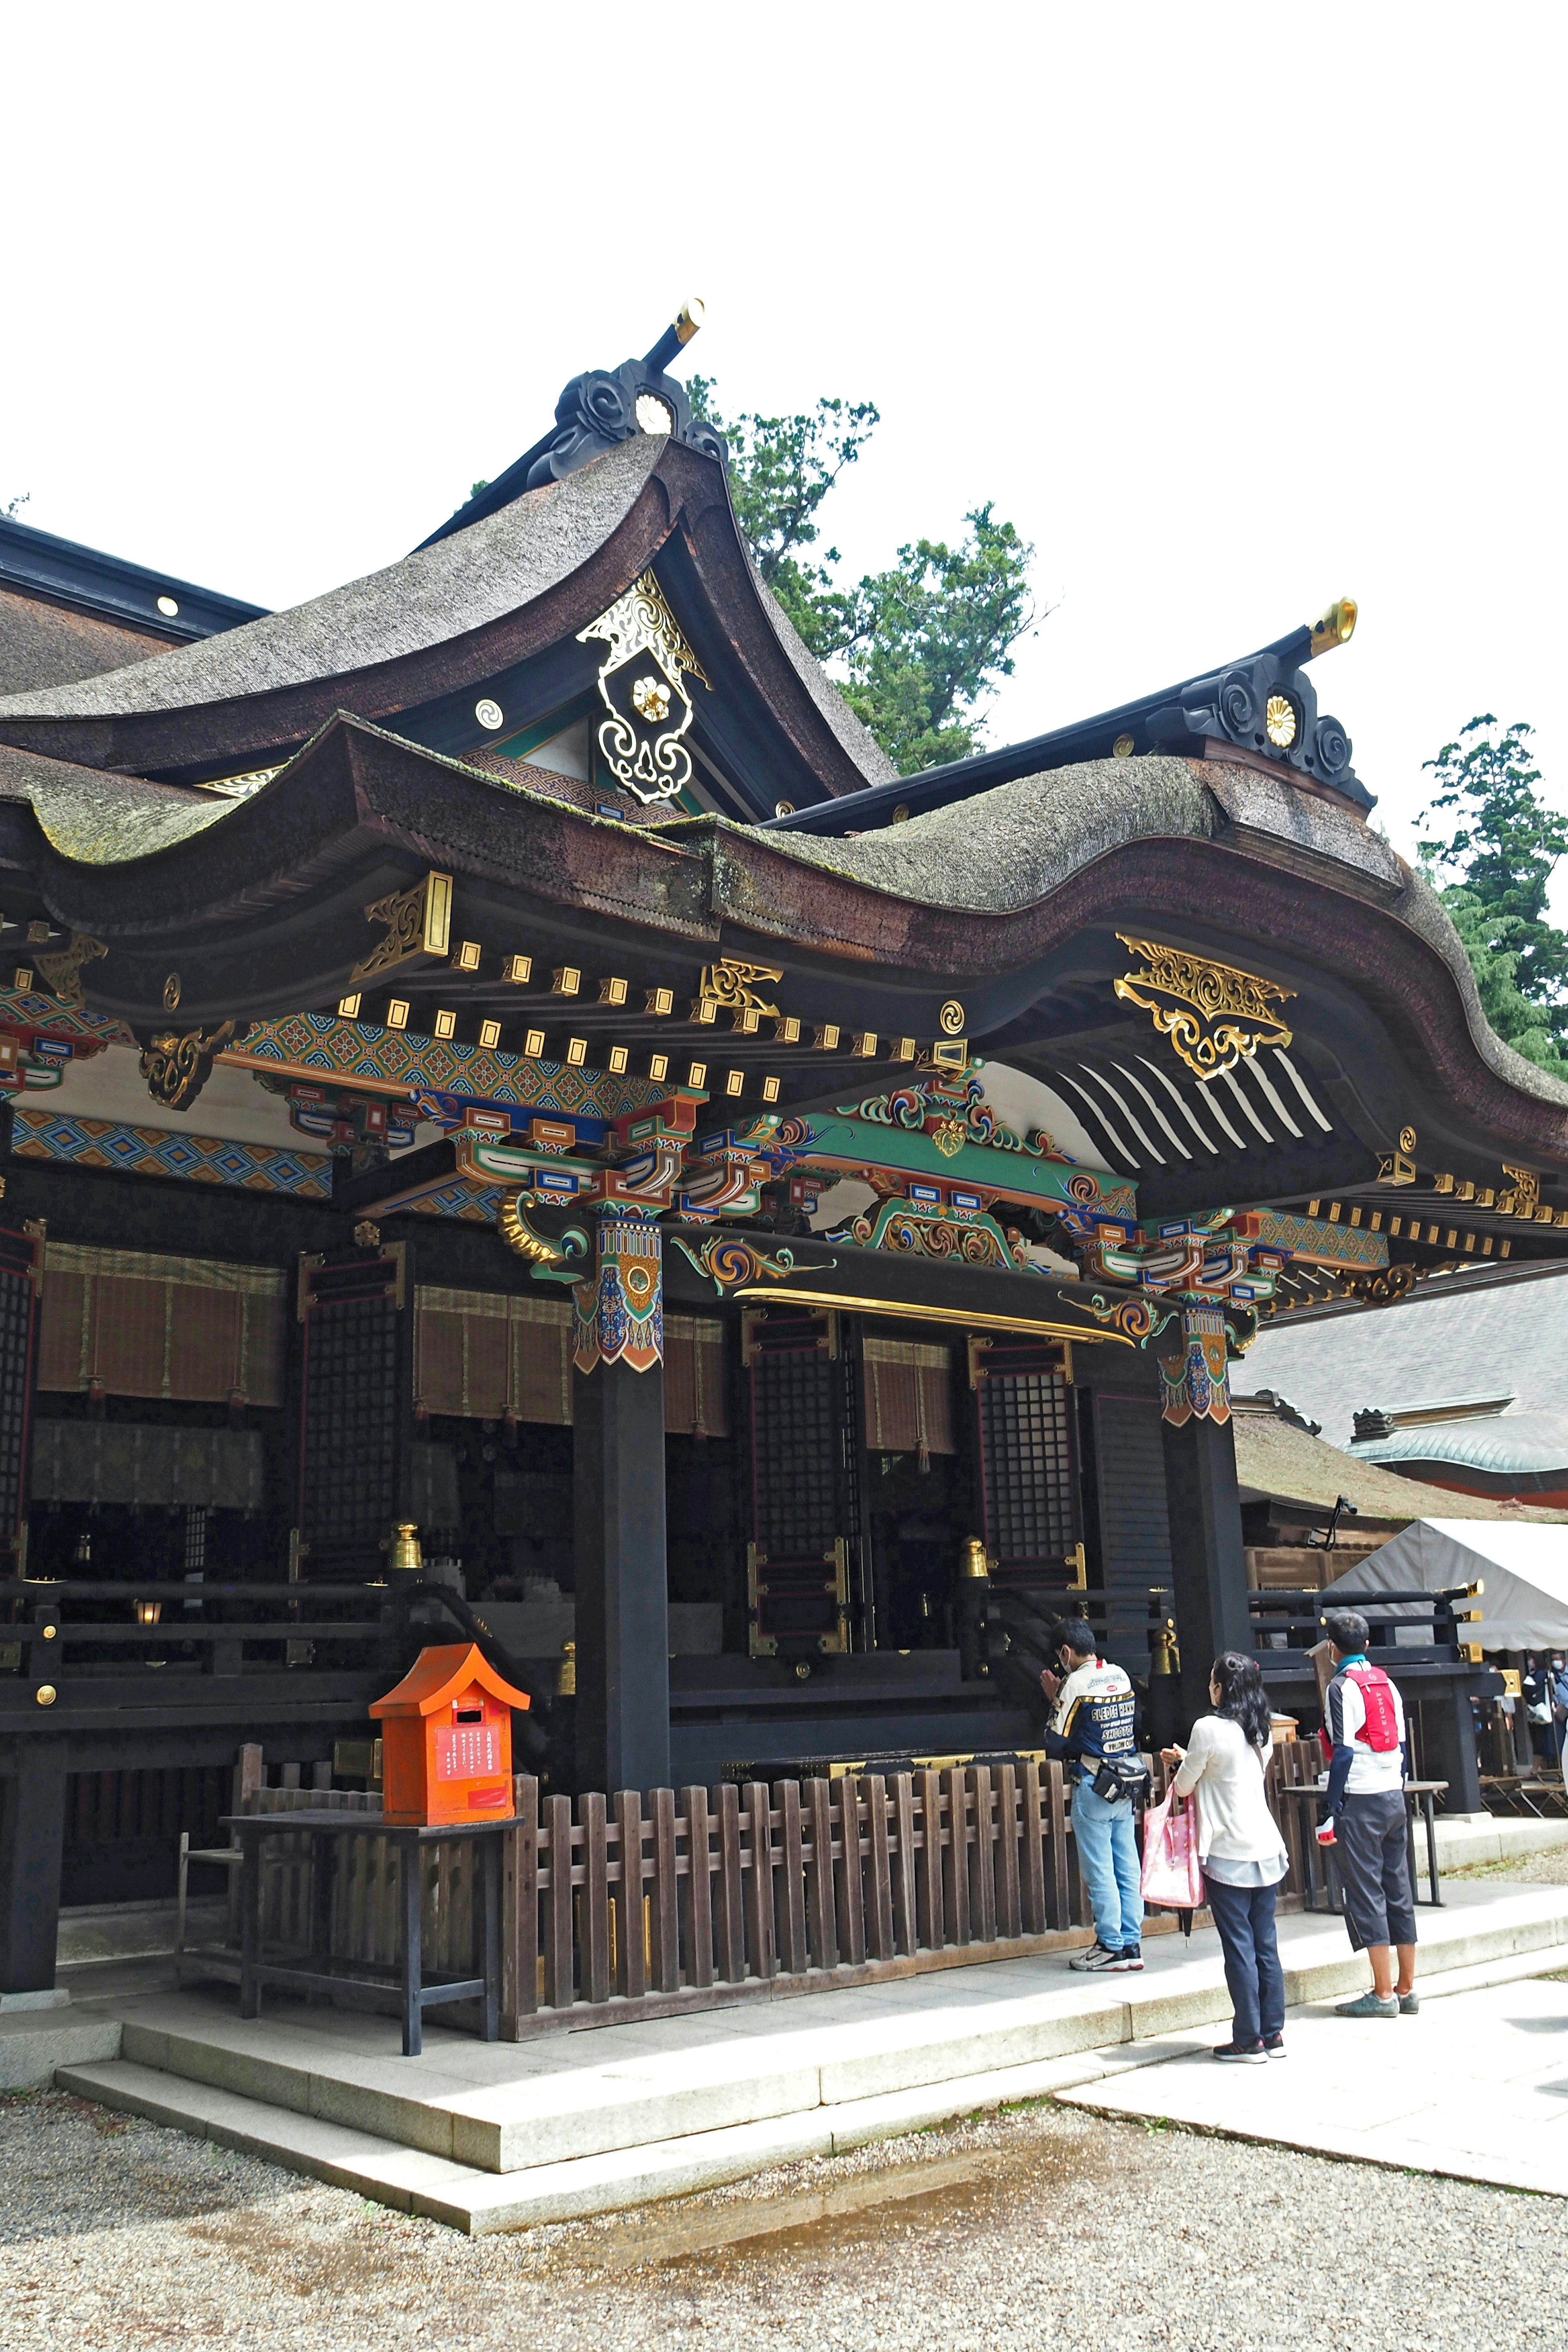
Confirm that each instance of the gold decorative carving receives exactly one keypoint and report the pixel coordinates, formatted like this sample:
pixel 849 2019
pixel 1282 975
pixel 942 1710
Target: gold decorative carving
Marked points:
pixel 1213 1013
pixel 649 713
pixel 171 992
pixel 62 972
pixel 1524 1199
pixel 177 1069
pixel 734 987
pixel 417 921
pixel 951 1018
pixel 1279 720
pixel 519 1236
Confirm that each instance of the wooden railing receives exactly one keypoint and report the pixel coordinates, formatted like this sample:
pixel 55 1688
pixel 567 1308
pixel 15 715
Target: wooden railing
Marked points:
pixel 640 1905
pixel 680 1900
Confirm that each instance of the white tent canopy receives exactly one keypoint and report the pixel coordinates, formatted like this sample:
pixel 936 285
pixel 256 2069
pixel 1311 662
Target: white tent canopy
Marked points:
pixel 1524 1569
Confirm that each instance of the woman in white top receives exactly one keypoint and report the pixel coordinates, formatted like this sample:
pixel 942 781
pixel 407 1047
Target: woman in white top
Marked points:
pixel 1242 1852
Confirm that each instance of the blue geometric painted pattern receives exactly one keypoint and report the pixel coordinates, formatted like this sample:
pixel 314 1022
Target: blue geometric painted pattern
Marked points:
pixel 154 1151
pixel 476 1204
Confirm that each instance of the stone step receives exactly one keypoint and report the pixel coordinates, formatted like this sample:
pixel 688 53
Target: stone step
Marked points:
pixel 503 2109
pixel 35 2043
pixel 481 2201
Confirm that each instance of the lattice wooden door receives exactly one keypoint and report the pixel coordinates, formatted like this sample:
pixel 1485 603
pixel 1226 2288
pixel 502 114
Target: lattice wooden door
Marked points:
pixel 804 1518
pixel 356 1409
pixel 1028 1463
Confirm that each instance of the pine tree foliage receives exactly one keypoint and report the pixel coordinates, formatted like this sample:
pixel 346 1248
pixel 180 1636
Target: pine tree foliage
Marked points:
pixel 1488 825
pixel 919 648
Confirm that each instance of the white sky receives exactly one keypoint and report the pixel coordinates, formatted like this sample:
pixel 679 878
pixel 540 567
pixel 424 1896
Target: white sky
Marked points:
pixel 1231 310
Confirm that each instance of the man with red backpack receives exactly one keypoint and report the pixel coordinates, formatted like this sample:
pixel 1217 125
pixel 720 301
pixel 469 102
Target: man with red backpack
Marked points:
pixel 1364 1727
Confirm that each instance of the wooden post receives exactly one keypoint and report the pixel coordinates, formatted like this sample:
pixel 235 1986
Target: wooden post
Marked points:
pixel 955 1859
pixel 904 1870
pixel 760 1887
pixel 32 1843
pixel 520 1941
pixel 1009 1916
pixel 666 1893
pixel 622 1606
pixel 728 1917
pixel 790 1914
pixel 558 1986
pixel 930 1910
pixel 698 1899
pixel 1208 1562
pixel 820 1911
pixel 983 1856
pixel 851 1905
pixel 593 1909
pixel 631 1945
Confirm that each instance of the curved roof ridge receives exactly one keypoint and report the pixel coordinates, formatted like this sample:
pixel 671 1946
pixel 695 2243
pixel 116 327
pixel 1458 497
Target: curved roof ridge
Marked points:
pixel 438 592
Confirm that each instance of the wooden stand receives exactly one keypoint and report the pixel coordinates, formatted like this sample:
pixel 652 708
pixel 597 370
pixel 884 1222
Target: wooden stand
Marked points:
pixel 415 1995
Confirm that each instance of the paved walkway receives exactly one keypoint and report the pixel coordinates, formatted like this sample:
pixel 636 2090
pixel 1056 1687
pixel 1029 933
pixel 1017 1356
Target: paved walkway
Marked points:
pixel 1475 2087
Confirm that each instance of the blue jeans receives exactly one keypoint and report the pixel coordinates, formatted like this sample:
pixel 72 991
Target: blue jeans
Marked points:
pixel 1108 1865
pixel 1255 1981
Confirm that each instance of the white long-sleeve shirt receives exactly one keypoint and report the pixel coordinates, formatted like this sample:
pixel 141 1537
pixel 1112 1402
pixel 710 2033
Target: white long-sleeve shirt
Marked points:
pixel 1235 1823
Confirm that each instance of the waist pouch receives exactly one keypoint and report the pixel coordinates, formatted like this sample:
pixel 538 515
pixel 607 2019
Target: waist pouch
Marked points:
pixel 1118 1777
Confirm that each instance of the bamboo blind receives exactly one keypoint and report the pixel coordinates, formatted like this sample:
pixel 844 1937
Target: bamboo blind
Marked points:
pixel 485 1355
pixel 127 1323
pixel 907 1397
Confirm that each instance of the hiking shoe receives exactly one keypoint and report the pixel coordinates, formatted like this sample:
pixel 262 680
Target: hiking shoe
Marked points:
pixel 1132 1956
pixel 1409 2005
pixel 1241 2053
pixel 1097 1957
pixel 1274 2046
pixel 1368 2005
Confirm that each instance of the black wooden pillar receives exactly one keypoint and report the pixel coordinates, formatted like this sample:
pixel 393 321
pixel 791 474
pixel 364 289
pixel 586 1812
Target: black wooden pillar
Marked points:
pixel 623 1606
pixel 32 1840
pixel 1209 1564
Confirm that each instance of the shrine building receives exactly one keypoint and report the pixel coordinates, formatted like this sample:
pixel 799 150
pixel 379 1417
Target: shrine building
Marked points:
pixel 518 1121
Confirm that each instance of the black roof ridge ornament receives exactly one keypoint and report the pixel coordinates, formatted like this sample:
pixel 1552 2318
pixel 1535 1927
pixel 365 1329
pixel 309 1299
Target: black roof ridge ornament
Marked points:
pixel 1262 705
pixel 598 409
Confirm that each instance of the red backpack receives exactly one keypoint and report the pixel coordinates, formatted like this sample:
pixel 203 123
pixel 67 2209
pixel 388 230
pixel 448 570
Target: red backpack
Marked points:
pixel 1380 1732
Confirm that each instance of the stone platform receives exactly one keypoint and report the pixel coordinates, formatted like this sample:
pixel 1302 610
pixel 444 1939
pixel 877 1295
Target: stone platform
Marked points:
pixel 498 2136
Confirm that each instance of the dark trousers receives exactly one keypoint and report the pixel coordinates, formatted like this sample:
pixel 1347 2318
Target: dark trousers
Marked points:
pixel 1370 1838
pixel 1245 1917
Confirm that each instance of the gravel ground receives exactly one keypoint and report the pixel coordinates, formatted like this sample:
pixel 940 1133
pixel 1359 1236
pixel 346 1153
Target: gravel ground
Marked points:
pixel 1547 1868
pixel 114 2233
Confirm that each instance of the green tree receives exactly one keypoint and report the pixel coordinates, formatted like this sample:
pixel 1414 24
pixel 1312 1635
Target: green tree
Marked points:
pixel 1488 825
pixel 918 647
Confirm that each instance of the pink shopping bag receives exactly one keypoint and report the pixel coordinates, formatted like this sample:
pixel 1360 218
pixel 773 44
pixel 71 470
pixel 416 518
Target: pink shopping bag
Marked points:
pixel 1173 1874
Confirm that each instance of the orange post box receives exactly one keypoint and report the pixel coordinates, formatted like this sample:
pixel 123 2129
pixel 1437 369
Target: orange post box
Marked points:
pixel 447 1740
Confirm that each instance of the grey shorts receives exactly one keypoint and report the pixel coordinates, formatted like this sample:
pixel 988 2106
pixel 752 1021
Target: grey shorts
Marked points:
pixel 1371 1836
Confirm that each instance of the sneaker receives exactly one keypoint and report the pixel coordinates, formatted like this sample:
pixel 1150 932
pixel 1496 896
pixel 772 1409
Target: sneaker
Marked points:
pixel 1274 2046
pixel 1132 1956
pixel 1368 2005
pixel 1097 1958
pixel 1241 2053
pixel 1409 2005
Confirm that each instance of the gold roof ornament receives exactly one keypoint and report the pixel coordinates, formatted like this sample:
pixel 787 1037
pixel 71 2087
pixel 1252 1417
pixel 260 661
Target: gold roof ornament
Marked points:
pixel 641 686
pixel 1214 1014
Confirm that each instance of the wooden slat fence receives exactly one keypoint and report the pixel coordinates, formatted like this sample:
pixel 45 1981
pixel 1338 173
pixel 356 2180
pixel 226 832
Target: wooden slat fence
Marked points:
pixel 681 1899
pixel 641 1903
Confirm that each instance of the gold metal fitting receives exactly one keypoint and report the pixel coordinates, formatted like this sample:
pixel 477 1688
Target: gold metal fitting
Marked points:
pixel 689 319
pixel 975 1567
pixel 566 1672
pixel 45 1695
pixel 1336 627
pixel 405 1553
